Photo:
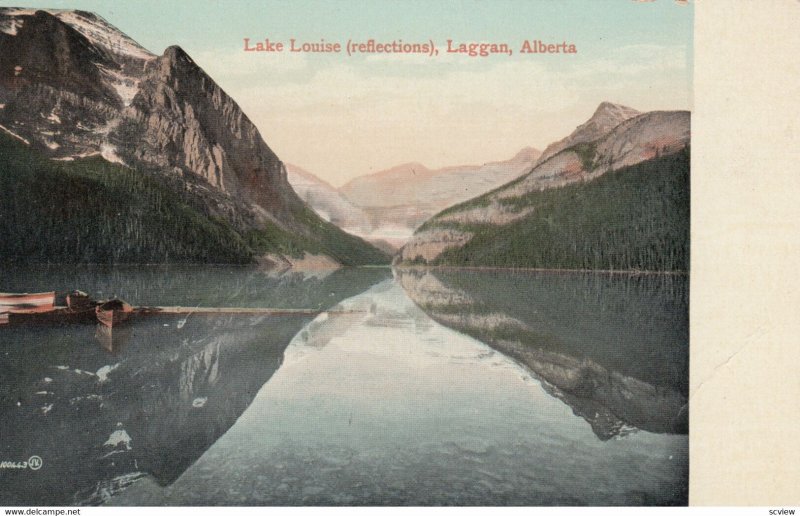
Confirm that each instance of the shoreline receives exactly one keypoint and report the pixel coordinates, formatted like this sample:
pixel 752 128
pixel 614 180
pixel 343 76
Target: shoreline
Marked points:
pixel 629 272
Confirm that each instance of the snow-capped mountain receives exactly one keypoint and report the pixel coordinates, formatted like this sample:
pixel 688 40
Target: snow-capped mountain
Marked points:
pixel 386 207
pixel 73 86
pixel 415 184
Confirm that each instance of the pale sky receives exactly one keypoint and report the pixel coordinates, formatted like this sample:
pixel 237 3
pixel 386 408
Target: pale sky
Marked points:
pixel 340 117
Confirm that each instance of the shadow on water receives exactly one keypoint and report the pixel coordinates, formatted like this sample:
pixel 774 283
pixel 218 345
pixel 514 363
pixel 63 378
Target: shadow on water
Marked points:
pixel 104 409
pixel 612 347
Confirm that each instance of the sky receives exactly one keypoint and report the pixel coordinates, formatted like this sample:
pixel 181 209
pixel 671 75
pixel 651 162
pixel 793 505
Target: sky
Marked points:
pixel 340 117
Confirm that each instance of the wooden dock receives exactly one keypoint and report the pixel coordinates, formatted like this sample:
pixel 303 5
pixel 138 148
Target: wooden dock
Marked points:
pixel 156 310
pixel 60 315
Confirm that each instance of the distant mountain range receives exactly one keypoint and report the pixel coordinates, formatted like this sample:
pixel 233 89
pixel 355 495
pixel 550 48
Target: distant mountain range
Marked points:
pixel 75 90
pixel 386 207
pixel 614 194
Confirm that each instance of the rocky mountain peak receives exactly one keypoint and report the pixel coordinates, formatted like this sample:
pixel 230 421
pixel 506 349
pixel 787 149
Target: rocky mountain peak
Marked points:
pixel 94 28
pixel 405 169
pixel 176 56
pixel 527 154
pixel 43 50
pixel 184 119
pixel 73 86
pixel 606 117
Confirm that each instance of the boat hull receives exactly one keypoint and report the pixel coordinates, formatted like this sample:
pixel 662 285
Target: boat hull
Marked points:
pixel 113 313
pixel 42 299
pixel 52 317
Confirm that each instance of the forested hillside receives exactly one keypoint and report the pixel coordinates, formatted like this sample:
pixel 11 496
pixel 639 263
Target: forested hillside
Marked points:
pixel 635 218
pixel 89 210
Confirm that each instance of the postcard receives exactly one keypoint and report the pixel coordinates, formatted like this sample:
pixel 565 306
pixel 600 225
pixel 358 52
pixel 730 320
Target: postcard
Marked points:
pixel 346 253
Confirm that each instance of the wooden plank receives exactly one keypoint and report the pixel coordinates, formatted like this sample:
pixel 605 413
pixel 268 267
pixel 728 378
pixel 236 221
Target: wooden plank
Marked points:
pixel 155 310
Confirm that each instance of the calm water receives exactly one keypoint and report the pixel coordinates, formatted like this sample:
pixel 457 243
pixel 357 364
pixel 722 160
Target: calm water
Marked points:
pixel 409 388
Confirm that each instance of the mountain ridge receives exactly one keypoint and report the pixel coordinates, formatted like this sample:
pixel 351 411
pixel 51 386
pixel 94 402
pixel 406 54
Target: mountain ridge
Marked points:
pixel 397 180
pixel 637 145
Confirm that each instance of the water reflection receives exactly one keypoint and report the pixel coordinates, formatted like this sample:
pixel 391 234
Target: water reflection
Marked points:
pixel 386 406
pixel 187 285
pixel 113 340
pixel 612 347
pixel 104 409
pixel 429 388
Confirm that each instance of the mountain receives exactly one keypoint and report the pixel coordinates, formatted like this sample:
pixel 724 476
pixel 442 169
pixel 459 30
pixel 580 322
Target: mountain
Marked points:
pixel 386 207
pixel 73 87
pixel 327 201
pixel 415 184
pixel 606 117
pixel 619 201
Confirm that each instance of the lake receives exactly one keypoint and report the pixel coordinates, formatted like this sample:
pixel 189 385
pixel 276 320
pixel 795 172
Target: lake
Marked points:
pixel 406 387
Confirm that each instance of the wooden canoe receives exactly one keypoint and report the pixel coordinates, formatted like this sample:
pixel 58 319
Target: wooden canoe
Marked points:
pixel 51 317
pixel 78 300
pixel 42 299
pixel 114 312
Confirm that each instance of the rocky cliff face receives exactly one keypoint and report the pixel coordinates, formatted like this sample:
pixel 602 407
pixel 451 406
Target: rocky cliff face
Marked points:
pixel 73 86
pixel 181 118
